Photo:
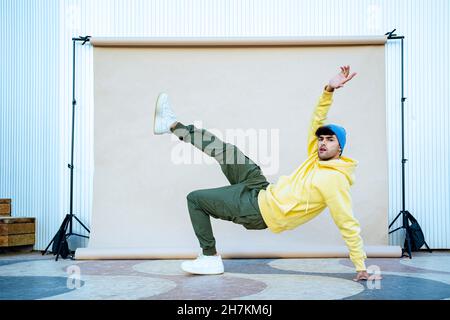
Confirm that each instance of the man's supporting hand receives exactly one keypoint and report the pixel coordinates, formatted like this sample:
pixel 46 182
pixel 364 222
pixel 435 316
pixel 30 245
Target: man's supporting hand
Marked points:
pixel 363 275
pixel 340 79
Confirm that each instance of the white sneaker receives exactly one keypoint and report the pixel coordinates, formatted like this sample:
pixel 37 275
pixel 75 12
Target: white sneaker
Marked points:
pixel 204 265
pixel 164 115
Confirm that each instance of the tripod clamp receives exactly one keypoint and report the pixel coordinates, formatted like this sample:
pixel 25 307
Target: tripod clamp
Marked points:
pixel 84 39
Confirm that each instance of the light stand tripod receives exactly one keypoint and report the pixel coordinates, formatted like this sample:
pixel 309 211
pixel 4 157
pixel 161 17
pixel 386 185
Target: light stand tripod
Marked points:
pixel 62 235
pixel 404 213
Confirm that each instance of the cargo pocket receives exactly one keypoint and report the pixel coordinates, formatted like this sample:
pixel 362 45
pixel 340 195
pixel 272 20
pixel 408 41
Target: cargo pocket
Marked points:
pixel 219 211
pixel 251 222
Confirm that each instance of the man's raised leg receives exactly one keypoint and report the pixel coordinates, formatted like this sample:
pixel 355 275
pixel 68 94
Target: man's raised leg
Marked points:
pixel 236 166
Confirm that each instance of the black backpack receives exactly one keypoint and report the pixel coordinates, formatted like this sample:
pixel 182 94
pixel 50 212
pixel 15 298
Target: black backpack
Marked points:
pixel 416 237
pixel 61 240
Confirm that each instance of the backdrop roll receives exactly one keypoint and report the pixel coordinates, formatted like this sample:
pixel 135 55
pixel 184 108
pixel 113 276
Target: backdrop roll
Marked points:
pixel 256 93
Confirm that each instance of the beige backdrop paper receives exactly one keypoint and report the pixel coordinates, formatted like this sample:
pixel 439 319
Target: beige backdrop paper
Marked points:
pixel 266 91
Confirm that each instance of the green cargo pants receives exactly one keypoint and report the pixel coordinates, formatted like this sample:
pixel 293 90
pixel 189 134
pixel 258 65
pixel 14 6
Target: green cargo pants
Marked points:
pixel 237 202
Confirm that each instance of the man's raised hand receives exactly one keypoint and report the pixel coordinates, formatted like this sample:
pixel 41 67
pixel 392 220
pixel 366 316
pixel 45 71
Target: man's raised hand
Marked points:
pixel 341 78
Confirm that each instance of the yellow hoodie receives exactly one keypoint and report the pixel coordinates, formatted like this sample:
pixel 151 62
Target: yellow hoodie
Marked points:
pixel 315 185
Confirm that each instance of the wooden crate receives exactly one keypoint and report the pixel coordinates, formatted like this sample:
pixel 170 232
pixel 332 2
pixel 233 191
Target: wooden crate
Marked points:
pixel 17 231
pixel 5 207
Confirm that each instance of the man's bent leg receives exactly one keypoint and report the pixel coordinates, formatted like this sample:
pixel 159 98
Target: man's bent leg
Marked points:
pixel 201 223
pixel 236 166
pixel 231 203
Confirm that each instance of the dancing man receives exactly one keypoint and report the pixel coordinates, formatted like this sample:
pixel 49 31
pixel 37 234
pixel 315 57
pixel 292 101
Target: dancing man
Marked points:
pixel 323 180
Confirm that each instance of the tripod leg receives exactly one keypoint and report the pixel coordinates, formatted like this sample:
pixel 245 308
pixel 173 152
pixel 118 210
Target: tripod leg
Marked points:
pixel 408 243
pixel 46 249
pixel 71 253
pixel 82 224
pixel 80 235
pixel 395 230
pixel 393 221
pixel 66 223
pixel 53 239
pixel 406 225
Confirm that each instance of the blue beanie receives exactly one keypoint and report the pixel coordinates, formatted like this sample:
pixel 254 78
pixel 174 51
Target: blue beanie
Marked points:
pixel 339 132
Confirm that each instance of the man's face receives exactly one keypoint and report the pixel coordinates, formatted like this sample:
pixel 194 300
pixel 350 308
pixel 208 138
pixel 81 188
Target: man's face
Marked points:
pixel 328 147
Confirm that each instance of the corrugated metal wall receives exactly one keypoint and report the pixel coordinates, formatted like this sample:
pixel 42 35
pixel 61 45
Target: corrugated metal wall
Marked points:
pixel 30 142
pixel 36 89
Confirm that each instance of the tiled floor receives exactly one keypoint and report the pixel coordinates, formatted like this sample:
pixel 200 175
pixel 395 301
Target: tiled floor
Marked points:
pixel 33 276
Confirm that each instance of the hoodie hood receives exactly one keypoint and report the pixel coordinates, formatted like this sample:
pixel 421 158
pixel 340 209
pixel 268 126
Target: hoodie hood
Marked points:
pixel 344 165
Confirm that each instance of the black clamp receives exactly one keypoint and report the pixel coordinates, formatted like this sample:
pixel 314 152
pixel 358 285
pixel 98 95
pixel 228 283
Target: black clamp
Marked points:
pixel 85 39
pixel 390 34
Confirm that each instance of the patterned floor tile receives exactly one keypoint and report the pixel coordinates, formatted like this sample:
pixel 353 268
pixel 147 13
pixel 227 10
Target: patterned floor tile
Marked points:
pixel 117 288
pixel 32 287
pixel 426 276
pixel 301 287
pixel 160 267
pixel 442 264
